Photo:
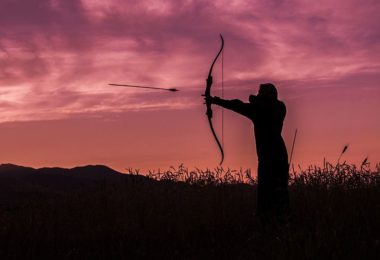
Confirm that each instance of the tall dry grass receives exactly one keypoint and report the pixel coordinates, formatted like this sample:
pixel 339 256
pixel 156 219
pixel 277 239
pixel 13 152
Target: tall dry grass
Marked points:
pixel 195 214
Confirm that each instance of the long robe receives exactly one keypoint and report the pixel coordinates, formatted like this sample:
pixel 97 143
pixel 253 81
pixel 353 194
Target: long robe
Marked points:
pixel 267 116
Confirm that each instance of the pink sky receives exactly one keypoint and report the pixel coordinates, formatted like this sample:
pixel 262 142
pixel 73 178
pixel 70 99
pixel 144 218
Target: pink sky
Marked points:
pixel 57 57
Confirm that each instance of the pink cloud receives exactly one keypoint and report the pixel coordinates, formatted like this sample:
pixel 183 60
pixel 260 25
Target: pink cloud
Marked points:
pixel 70 46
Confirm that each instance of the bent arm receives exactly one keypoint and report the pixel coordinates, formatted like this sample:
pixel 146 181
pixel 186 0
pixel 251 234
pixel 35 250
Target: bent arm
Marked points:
pixel 234 105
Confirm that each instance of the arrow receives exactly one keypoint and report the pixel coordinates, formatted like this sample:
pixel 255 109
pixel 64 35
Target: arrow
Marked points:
pixel 133 86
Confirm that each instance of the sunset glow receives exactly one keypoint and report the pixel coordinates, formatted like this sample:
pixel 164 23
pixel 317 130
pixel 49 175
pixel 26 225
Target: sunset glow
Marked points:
pixel 58 57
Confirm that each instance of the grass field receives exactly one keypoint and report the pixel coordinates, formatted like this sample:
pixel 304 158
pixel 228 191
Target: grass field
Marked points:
pixel 178 213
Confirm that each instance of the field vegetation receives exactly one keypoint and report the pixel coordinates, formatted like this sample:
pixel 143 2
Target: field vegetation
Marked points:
pixel 95 213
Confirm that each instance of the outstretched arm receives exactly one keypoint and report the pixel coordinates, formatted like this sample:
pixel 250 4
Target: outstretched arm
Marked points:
pixel 234 105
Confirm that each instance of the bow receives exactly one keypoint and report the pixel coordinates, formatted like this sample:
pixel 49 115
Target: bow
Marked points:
pixel 208 100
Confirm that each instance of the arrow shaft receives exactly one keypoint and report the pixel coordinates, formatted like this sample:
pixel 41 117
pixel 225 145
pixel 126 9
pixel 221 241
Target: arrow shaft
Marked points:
pixel 134 86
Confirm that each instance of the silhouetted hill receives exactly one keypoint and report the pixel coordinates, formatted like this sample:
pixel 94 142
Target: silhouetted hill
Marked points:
pixel 12 170
pixel 89 172
pixel 15 179
pixel 15 171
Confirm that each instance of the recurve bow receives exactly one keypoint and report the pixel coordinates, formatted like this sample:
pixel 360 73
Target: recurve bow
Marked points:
pixel 208 103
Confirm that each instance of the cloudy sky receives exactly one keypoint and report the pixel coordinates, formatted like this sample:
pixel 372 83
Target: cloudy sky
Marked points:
pixel 57 57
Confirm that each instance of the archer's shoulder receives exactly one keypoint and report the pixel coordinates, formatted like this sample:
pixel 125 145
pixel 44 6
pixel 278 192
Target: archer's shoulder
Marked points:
pixel 281 105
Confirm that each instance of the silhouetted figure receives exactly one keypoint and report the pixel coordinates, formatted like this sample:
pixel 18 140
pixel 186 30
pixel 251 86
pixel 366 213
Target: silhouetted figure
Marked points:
pixel 267 114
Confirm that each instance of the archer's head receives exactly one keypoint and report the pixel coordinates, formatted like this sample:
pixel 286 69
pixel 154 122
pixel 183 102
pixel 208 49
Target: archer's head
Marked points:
pixel 268 91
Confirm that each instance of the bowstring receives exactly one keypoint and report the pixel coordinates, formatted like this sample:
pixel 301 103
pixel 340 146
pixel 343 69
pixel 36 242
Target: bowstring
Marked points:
pixel 222 97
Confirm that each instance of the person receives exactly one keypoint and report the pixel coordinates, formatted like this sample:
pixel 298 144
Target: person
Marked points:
pixel 267 114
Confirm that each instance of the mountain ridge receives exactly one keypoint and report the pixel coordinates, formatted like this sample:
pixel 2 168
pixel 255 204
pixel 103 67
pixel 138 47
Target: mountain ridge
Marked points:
pixel 8 168
pixel 18 178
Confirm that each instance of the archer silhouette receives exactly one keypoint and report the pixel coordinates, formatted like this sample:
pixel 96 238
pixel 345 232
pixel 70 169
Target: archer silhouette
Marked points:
pixel 267 114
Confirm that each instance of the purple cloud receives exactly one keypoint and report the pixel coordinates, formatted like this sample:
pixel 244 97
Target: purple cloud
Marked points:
pixel 52 48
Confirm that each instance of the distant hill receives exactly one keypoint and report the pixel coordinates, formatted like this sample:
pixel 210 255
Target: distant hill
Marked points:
pixel 15 171
pixel 12 170
pixel 16 178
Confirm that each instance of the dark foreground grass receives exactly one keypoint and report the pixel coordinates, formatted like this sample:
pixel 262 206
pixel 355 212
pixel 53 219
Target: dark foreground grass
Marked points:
pixel 335 214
